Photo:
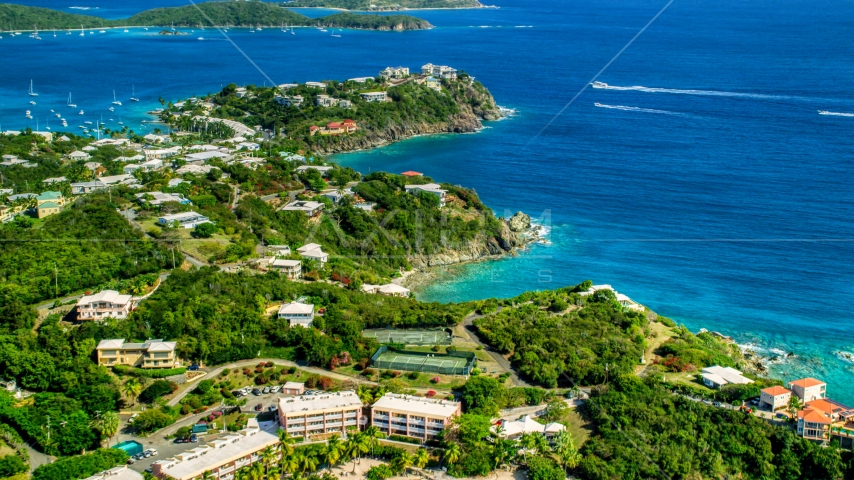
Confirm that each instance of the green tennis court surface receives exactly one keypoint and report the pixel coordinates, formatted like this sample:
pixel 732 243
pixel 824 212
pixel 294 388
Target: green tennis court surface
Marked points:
pixel 410 337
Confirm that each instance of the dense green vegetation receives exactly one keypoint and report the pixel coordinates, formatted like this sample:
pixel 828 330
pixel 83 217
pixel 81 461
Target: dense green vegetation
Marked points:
pixel 411 104
pixel 560 337
pixel 82 466
pixel 384 4
pixel 643 431
pixel 236 14
pixel 81 247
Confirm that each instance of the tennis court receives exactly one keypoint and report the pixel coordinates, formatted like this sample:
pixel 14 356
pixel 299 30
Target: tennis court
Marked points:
pixel 458 363
pixel 410 337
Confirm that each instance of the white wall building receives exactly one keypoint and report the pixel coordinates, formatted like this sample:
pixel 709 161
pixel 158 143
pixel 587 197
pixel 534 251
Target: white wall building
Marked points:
pixel 184 219
pixel 108 303
pixel 319 414
pixel 419 417
pixel 297 313
pixel 717 376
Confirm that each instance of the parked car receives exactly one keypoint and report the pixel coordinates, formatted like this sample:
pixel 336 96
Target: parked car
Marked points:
pixel 259 407
pixel 271 408
pixel 193 367
pixel 275 389
pixel 717 404
pixel 152 451
pixel 237 393
pixel 256 391
pixel 138 456
pixel 180 440
pixel 194 438
pixel 146 454
pixel 131 461
pixel 266 390
pixel 781 416
pixel 133 417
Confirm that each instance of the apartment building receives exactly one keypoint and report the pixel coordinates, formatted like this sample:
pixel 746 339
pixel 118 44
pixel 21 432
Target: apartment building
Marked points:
pixel 308 415
pixel 108 303
pixel 149 354
pixel 417 417
pixel 221 458
pixel 808 389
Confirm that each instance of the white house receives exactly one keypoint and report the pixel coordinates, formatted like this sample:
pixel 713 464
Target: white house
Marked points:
pixel 206 155
pixel 717 376
pixel 80 188
pixel 390 290
pixel 297 313
pixel 108 303
pixel 440 71
pixel 312 251
pixel 291 268
pixel 289 100
pixel 390 73
pixel 78 155
pixel 517 428
pixel 51 181
pixel 251 146
pixel 184 219
pixel 159 198
pixel 309 208
pixel 374 96
pixel 315 84
pixel 153 138
pixel 433 188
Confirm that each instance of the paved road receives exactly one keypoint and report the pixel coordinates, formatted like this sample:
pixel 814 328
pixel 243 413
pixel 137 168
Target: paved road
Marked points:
pixel 212 374
pixel 503 362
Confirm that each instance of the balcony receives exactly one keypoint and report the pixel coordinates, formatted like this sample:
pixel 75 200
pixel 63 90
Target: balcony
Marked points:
pixel 381 416
pixel 333 424
pixel 333 416
pixel 381 424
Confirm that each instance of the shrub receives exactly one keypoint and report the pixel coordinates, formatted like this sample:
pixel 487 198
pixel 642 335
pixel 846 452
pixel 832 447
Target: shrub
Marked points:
pixel 11 465
pixel 541 468
pixel 380 472
pixel 412 375
pixel 436 380
pixel 151 420
pixel 369 372
pixel 292 370
pixel 204 386
pixel 81 466
pixel 157 390
pixel 326 383
pixel 160 373
pixel 401 438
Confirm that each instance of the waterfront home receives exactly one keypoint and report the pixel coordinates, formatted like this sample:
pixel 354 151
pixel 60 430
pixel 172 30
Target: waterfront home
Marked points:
pixel 205 156
pixel 432 83
pixel 159 198
pixel 250 146
pixel 515 429
pixel 326 413
pixel 52 180
pixel 183 219
pixel 78 155
pixel 220 458
pixel 297 313
pixel 278 250
pixel 808 389
pixel 80 188
pixel 310 208
pixel 315 84
pixel 313 251
pixel 361 79
pixel 374 96
pixel 290 268
pixel 151 153
pixel 288 86
pixel 149 354
pixel 289 100
pixel 334 128
pixel 628 303
pixel 431 188
pixel 774 398
pixel 411 173
pixel 389 290
pixel 394 73
pixel 440 71
pixel 104 304
pixel 415 417
pixel 240 92
pixel 717 376
pixel 292 157
pixel 155 139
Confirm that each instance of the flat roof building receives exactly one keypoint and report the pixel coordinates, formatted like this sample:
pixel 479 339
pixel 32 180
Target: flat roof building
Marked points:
pixel 184 219
pixel 308 415
pixel 417 417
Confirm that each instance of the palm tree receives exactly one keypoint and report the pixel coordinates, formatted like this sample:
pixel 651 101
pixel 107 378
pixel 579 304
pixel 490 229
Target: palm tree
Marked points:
pixel 242 474
pixel 109 424
pixel 402 462
pixel 285 448
pixel 421 458
pixel 372 435
pixel 541 444
pixel 268 456
pixel 452 453
pixel 306 461
pixel 256 471
pixel 207 475
pixel 528 442
pixel 132 388
pixel 289 464
pixel 332 452
pixel 567 453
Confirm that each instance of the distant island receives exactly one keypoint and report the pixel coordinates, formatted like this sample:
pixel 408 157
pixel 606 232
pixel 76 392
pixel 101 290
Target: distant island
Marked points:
pixel 340 116
pixel 232 14
pixel 385 5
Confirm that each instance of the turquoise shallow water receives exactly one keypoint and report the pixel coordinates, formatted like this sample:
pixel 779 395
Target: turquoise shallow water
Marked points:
pixel 706 185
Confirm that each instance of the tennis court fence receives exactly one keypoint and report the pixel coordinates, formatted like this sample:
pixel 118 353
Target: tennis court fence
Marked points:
pixel 454 363
pixel 429 336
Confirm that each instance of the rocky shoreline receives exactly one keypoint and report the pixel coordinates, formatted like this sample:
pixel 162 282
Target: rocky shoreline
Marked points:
pixel 516 233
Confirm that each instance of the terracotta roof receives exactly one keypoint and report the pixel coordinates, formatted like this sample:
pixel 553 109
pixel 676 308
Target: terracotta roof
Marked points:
pixel 814 416
pixel 349 122
pixel 333 125
pixel 314 127
pixel 806 382
pixel 775 390
pixel 411 174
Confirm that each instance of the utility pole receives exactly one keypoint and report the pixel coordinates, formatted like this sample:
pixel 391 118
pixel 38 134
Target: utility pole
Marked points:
pixel 56 281
pixel 173 258
pixel 48 429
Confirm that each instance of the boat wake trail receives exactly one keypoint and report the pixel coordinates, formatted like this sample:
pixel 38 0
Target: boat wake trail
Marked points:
pixel 637 109
pixel 835 114
pixel 710 93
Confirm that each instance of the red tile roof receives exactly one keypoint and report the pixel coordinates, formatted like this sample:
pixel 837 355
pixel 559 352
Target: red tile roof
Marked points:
pixel 806 382
pixel 411 174
pixel 333 125
pixel 775 390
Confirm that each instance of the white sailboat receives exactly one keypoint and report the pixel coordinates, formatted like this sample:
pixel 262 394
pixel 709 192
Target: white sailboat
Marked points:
pixel 82 34
pixel 115 102
pixel 337 35
pixel 69 101
pixel 292 31
pixel 28 115
pixel 80 112
pixel 112 109
pixel 31 92
pixel 133 94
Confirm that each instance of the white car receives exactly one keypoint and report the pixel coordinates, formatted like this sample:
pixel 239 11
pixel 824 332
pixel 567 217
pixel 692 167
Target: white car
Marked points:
pixel 275 389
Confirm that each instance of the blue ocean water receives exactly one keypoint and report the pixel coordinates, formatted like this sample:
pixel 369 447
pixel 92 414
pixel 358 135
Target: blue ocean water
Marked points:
pixel 705 184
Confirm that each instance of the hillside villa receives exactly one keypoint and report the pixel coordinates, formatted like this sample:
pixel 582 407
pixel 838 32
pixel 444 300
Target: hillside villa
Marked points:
pixel 148 354
pixel 334 128
pixel 808 389
pixel 310 208
pixel 717 376
pixel 774 398
pixel 439 71
pixel 183 219
pixel 389 290
pixel 432 188
pixel 108 303
pixel 313 251
pixel 297 313
pixel 394 73
pixel 515 429
pixel 374 96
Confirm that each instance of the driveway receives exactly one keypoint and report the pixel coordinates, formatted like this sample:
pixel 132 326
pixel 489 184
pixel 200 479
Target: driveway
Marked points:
pixel 468 323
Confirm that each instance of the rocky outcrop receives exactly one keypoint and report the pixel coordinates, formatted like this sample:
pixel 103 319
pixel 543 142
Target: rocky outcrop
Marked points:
pixel 519 222
pixel 506 242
